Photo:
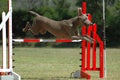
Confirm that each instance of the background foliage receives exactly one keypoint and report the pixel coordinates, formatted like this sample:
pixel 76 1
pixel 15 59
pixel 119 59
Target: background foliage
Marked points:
pixel 65 9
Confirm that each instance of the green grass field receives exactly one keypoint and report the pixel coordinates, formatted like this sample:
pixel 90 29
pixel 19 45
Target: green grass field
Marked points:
pixel 58 63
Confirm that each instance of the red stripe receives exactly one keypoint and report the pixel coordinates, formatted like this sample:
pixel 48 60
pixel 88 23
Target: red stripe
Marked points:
pixel 89 31
pixel 31 40
pixel 90 17
pixel 94 47
pixel 83 49
pixel 101 60
pixel 63 40
pixel 84 7
pixel 85 75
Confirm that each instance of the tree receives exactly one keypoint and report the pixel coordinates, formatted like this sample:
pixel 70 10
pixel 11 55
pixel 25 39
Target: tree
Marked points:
pixel 3 6
pixel 62 8
pixel 113 22
pixel 110 2
pixel 29 4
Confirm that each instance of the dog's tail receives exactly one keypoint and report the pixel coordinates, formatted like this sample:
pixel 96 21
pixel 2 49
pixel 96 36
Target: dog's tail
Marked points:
pixel 34 13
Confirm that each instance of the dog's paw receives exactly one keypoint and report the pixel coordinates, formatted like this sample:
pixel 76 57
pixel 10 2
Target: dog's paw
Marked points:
pixel 24 30
pixel 88 38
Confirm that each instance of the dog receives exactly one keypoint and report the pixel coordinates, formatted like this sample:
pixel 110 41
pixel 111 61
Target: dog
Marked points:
pixel 64 29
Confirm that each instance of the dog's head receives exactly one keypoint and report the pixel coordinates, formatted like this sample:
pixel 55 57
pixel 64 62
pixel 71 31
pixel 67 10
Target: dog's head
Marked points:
pixel 83 18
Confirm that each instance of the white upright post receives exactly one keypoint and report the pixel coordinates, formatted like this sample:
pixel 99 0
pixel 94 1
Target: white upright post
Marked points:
pixel 4 46
pixel 10 36
pixel 10 47
pixel 7 66
pixel 104 35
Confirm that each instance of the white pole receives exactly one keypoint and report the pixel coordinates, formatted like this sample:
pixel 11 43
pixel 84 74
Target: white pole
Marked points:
pixel 4 21
pixel 104 34
pixel 10 53
pixel 10 36
pixel 4 46
pixel 103 9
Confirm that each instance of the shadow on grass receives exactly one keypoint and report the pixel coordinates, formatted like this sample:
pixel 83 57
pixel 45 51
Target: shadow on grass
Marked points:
pixel 49 78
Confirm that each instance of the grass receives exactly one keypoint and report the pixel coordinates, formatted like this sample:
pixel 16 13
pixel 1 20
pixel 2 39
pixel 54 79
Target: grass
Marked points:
pixel 46 63
pixel 58 63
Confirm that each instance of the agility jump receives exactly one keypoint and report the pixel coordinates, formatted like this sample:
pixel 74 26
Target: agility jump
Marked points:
pixel 6 71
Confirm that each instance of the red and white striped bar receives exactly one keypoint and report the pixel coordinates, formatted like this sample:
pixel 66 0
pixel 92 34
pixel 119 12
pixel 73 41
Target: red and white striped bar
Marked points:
pixel 44 40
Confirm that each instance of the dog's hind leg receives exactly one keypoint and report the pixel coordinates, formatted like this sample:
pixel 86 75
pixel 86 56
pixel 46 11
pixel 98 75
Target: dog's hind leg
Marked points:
pixel 27 27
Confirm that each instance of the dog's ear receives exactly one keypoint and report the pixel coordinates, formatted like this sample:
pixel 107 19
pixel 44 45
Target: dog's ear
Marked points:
pixel 80 12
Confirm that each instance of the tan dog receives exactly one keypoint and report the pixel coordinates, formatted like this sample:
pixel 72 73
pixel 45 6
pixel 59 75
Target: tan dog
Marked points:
pixel 65 29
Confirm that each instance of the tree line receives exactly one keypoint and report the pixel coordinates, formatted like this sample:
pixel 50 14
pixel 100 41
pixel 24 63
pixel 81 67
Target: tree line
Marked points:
pixel 65 9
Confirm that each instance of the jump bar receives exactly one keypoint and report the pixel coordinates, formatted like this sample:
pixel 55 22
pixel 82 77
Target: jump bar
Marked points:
pixel 44 40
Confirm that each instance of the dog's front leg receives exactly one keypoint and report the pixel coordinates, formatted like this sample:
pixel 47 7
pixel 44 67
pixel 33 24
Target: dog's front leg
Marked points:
pixel 77 37
pixel 87 38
